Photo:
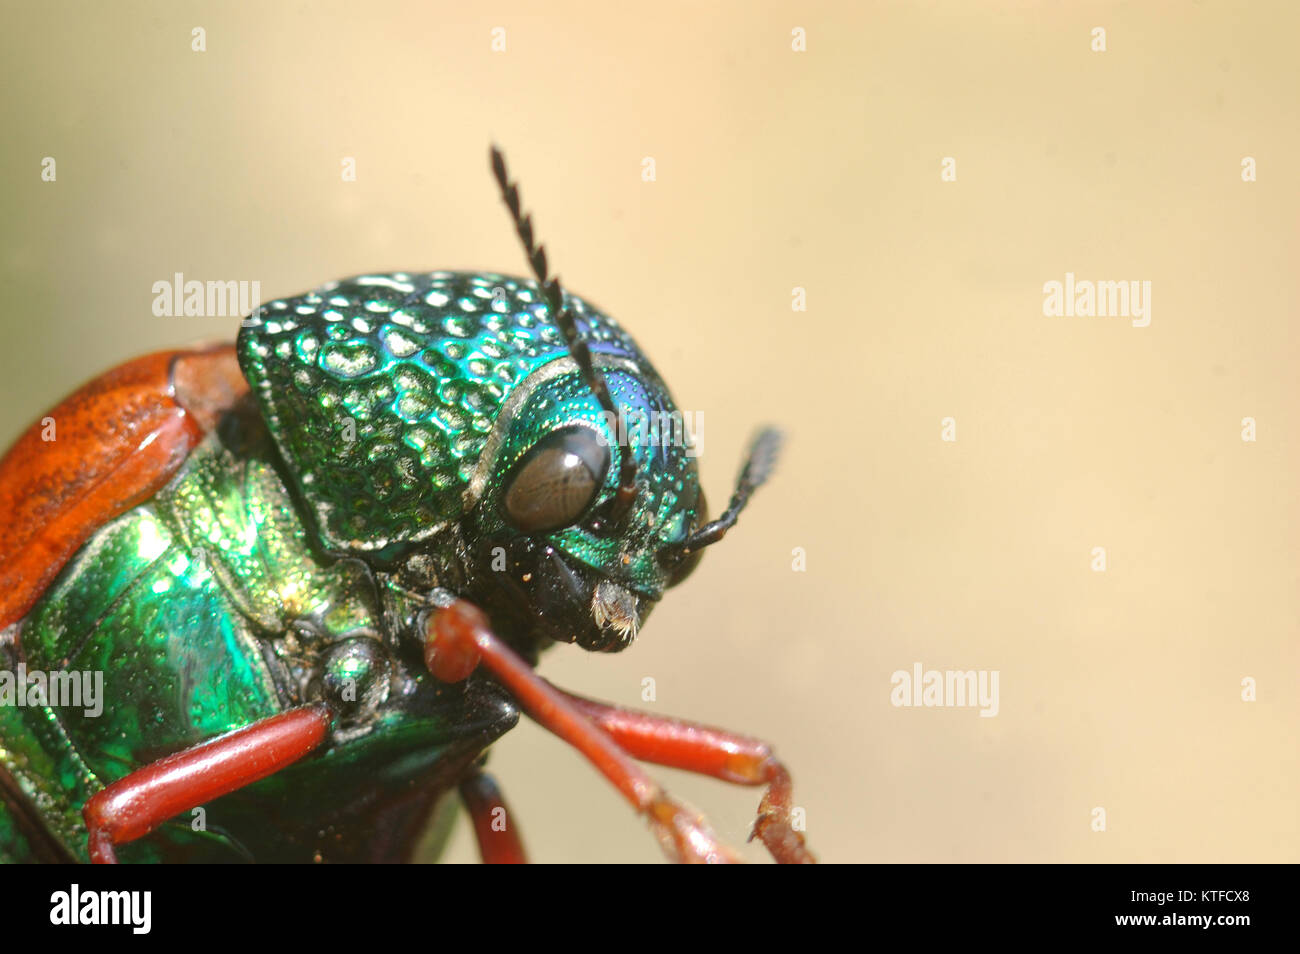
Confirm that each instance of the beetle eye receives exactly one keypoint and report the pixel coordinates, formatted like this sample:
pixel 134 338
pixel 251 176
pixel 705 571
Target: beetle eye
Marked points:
pixel 557 480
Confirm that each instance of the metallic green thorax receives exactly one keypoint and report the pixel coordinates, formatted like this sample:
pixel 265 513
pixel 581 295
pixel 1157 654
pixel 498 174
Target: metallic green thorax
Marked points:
pixel 206 610
pixel 400 401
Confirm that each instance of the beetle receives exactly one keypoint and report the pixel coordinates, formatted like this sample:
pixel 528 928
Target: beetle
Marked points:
pixel 317 567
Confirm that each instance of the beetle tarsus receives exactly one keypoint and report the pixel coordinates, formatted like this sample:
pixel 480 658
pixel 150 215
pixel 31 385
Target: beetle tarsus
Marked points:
pixel 685 835
pixel 704 750
pixel 774 827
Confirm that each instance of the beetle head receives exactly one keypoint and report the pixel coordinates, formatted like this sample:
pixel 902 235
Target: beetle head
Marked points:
pixel 555 544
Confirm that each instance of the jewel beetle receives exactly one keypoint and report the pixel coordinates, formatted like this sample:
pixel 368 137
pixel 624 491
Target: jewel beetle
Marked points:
pixel 316 569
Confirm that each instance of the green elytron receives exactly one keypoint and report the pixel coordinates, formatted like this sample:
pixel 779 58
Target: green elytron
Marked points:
pixel 405 437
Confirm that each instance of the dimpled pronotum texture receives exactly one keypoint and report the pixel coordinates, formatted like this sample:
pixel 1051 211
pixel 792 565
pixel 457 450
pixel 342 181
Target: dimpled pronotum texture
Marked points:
pixel 381 390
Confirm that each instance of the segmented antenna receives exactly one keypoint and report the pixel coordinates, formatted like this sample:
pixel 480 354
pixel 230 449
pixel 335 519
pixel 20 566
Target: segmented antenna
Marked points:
pixel 578 348
pixel 758 467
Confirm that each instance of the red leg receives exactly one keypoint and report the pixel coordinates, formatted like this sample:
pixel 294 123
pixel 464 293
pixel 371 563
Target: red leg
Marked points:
pixel 458 639
pixel 707 751
pixel 498 840
pixel 135 805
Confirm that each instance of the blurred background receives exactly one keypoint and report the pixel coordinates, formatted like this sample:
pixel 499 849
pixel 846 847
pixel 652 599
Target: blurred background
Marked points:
pixel 820 169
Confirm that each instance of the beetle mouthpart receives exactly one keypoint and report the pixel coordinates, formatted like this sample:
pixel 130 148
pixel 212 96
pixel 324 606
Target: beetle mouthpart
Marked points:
pixel 614 609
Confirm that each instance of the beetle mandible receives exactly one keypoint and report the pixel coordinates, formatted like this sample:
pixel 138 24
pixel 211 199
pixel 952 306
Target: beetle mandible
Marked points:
pixel 316 569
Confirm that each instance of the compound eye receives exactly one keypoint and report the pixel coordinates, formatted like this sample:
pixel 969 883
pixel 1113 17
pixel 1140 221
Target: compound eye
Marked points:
pixel 556 481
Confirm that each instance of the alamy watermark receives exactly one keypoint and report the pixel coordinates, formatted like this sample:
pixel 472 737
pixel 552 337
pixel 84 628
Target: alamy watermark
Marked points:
pixel 77 906
pixel 657 429
pixel 1104 299
pixel 946 688
pixel 194 299
pixel 63 688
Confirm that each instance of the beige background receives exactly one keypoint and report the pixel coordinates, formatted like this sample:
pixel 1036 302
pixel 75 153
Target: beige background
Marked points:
pixel 779 169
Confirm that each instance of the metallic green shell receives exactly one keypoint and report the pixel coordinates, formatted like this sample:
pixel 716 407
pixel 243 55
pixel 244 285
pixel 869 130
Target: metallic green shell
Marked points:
pixel 381 391
pixel 401 400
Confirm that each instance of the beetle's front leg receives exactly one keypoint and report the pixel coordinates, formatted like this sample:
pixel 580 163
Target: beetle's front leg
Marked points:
pixel 709 751
pixel 138 803
pixel 458 638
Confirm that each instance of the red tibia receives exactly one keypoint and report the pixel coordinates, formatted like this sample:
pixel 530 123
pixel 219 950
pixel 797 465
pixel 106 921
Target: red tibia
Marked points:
pixel 494 827
pixel 135 805
pixel 458 633
pixel 708 751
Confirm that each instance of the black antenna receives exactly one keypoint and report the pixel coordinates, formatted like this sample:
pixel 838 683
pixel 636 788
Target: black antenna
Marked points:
pixel 758 467
pixel 577 344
